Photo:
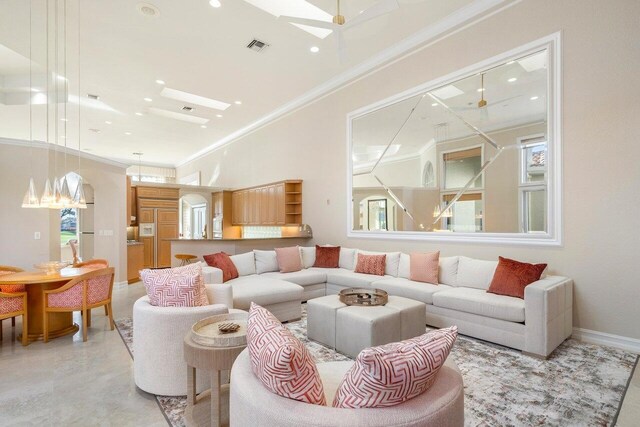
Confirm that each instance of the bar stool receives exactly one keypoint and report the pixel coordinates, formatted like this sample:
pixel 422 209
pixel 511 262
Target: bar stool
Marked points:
pixel 185 259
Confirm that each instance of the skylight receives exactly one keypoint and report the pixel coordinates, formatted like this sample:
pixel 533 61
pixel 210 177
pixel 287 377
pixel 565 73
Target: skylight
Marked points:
pixel 179 95
pixel 178 116
pixel 447 92
pixel 299 9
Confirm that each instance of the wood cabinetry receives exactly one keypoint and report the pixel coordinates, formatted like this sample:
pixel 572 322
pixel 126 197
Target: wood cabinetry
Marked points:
pixel 132 206
pixel 135 262
pixel 159 206
pixel 149 252
pixel 273 204
pixel 158 193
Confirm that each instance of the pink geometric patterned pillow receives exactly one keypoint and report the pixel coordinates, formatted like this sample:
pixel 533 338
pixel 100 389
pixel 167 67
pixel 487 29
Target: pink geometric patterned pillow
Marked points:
pixel 393 373
pixel 175 287
pixel 371 264
pixel 280 360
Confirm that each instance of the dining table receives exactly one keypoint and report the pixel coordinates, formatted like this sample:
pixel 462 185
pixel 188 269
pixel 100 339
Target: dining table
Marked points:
pixel 36 282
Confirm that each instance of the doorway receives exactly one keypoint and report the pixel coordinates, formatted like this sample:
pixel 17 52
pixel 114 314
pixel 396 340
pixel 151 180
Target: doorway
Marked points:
pixel 193 217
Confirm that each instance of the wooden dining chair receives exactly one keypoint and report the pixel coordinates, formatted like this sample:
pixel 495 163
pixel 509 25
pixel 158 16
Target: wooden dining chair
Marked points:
pixel 13 302
pixel 83 293
pixel 7 269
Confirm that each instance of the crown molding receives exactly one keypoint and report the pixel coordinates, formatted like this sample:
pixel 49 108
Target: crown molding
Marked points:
pixel 61 149
pixel 468 15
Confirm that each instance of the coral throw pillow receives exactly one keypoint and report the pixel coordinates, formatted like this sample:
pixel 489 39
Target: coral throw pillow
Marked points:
pixel 175 287
pixel 511 277
pixel 371 264
pixel 222 261
pixel 289 259
pixel 394 373
pixel 280 360
pixel 327 256
pixel 424 267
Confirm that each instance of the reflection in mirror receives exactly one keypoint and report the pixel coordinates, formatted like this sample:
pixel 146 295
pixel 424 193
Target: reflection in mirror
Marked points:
pixel 193 216
pixel 467 157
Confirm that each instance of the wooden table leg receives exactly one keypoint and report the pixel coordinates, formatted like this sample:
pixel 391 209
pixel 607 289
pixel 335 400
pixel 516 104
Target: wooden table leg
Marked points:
pixel 215 398
pixel 191 385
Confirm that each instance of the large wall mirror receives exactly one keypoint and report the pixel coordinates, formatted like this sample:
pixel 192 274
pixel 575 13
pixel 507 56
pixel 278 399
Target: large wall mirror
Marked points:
pixel 474 156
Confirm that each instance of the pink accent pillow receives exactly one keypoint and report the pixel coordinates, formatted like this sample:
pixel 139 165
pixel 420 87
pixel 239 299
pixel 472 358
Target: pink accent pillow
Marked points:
pixel 175 287
pixel 424 267
pixel 289 259
pixel 394 373
pixel 222 261
pixel 371 264
pixel 280 360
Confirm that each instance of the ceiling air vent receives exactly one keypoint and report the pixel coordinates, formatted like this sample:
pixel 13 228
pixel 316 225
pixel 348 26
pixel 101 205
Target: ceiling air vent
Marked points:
pixel 257 45
pixel 187 109
pixel 92 96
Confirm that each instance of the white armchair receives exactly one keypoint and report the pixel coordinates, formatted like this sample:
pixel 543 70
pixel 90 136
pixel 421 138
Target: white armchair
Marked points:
pixel 158 335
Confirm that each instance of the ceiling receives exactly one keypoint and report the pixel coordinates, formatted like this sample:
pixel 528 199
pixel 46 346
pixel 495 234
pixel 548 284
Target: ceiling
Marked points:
pixel 192 47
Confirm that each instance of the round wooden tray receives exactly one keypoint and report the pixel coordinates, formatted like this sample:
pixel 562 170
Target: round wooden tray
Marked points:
pixel 363 297
pixel 205 332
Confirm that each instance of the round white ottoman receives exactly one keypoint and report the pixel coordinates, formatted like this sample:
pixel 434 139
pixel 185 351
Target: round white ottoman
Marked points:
pixel 158 335
pixel 252 404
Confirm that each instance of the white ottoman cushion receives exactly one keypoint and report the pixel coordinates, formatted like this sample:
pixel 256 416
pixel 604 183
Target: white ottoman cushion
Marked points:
pixel 361 327
pixel 321 319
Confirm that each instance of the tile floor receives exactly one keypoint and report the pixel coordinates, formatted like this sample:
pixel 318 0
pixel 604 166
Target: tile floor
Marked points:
pixel 68 382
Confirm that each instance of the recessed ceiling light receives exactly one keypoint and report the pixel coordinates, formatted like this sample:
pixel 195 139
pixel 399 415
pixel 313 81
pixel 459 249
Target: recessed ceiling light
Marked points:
pixel 238 102
pixel 215 3
pixel 160 82
pixel 314 49
pixel 480 89
pixel 203 126
pixel 533 98
pixel 65 120
pixel 512 79
pixel 435 104
pixel 148 99
pixel 127 133
pixel 191 98
pixel 138 114
pixel 107 122
pixel 218 115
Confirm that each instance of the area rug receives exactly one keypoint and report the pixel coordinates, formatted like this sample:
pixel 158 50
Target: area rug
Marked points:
pixel 579 385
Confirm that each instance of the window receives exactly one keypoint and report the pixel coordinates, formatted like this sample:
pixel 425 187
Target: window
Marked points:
pixel 378 214
pixel 466 215
pixel 533 184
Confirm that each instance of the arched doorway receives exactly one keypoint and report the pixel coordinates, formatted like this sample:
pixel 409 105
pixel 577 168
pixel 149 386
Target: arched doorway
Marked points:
pixel 193 217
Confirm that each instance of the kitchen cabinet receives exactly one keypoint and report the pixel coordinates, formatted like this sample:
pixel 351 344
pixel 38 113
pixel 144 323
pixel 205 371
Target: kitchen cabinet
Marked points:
pixel 158 206
pixel 148 251
pixel 279 203
pixel 158 193
pixel 131 209
pixel 135 262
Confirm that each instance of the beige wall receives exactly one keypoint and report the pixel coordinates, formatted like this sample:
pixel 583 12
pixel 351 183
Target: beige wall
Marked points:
pixel 18 225
pixel 601 56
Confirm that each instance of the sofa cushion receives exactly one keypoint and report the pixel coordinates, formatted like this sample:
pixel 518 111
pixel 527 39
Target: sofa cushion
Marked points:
pixel 263 291
pixel 347 258
pixel 478 301
pixel 265 261
pixel 409 289
pixel 475 273
pixel 302 277
pixel 289 259
pixel 392 261
pixel 448 270
pixel 308 256
pixel 245 263
pixel 351 279
pixel 393 373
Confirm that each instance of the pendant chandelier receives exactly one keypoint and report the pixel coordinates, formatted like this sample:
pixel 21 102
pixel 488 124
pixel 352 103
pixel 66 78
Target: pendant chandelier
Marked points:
pixel 58 194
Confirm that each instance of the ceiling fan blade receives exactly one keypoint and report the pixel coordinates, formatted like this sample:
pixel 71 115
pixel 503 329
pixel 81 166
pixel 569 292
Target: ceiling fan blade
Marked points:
pixel 490 104
pixel 309 22
pixel 340 43
pixel 378 9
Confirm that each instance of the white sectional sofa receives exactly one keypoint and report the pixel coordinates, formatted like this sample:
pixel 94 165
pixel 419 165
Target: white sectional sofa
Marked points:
pixel 536 324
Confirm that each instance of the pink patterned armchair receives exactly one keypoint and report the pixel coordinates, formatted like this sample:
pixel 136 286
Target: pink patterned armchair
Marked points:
pixel 83 293
pixel 13 302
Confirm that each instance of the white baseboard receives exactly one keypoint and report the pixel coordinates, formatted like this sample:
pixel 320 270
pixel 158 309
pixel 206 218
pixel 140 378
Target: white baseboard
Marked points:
pixel 610 340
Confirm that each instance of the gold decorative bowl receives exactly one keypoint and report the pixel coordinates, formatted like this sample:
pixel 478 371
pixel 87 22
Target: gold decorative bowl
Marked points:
pixel 363 297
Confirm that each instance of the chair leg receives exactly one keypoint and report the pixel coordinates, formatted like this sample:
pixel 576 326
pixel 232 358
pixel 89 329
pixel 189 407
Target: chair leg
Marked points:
pixel 1 329
pixel 89 317
pixel 45 325
pixel 110 315
pixel 106 311
pixel 84 325
pixel 13 322
pixel 25 330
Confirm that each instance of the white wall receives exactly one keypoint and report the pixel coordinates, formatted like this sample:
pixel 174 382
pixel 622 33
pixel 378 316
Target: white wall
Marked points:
pixel 601 58
pixel 18 225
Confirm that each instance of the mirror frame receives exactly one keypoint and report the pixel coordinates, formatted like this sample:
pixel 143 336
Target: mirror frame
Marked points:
pixel 553 236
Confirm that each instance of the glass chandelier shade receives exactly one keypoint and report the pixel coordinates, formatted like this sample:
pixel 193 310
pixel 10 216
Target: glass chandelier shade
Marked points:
pixel 79 201
pixel 47 195
pixel 65 195
pixel 31 199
